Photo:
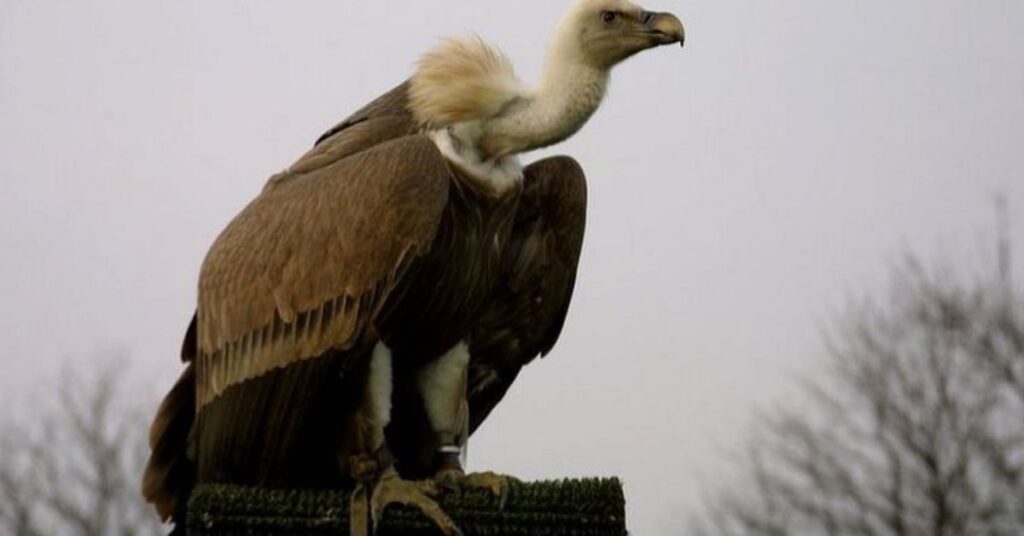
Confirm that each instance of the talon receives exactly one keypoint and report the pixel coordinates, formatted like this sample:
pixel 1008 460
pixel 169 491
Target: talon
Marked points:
pixel 450 481
pixel 358 514
pixel 497 484
pixel 391 489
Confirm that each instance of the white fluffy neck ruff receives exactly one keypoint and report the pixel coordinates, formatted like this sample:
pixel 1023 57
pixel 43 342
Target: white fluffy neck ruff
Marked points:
pixel 567 96
pixel 481 115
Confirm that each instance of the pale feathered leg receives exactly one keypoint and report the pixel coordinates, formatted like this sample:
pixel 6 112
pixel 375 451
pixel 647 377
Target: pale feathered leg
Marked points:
pixel 378 484
pixel 442 384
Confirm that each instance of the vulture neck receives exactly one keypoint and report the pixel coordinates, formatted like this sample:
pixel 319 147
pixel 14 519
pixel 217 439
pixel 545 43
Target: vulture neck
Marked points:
pixel 568 94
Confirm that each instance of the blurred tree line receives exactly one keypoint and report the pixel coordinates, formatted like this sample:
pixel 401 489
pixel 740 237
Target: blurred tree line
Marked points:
pixel 915 428
pixel 72 464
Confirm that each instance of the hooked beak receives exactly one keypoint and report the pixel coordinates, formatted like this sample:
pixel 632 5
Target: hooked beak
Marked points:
pixel 663 28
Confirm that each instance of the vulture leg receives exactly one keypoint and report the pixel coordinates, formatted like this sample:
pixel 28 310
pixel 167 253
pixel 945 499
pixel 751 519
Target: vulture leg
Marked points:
pixel 443 385
pixel 373 466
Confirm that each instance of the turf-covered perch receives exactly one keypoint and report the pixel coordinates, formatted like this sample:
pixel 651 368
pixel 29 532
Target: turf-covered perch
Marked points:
pixel 589 507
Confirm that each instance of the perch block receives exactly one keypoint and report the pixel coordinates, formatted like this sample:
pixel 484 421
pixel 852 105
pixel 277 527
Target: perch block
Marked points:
pixel 589 507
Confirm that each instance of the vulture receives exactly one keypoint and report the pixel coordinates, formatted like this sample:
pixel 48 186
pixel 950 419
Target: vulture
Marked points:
pixel 362 316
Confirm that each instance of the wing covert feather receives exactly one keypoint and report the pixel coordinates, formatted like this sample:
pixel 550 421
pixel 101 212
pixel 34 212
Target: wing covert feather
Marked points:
pixel 306 265
pixel 393 105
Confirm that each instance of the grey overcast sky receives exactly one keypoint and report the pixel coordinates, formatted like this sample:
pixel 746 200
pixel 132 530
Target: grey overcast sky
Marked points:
pixel 740 189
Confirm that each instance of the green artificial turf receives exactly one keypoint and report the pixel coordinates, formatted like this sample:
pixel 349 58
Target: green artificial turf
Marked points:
pixel 588 507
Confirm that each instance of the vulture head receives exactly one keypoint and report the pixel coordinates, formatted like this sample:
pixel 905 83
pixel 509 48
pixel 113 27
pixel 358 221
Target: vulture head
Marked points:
pixel 603 33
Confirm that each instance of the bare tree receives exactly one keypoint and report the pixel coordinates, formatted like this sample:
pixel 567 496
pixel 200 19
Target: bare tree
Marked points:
pixel 73 466
pixel 918 428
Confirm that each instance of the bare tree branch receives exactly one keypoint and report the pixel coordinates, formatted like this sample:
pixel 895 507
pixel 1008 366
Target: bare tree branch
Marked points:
pixel 73 467
pixel 917 429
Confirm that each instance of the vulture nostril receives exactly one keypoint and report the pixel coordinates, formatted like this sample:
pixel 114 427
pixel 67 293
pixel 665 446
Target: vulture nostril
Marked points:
pixel 646 17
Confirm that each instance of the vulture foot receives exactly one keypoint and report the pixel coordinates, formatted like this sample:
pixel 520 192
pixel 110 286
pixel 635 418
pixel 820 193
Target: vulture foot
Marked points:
pixel 391 489
pixel 457 481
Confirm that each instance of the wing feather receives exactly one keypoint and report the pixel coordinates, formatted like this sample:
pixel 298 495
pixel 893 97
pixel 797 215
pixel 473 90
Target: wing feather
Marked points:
pixel 305 267
pixel 393 105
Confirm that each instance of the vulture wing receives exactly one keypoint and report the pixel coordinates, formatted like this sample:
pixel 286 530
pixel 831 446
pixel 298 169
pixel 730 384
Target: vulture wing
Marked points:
pixel 528 309
pixel 386 118
pixel 305 267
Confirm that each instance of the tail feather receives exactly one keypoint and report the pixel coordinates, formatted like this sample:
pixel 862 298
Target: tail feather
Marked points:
pixel 170 473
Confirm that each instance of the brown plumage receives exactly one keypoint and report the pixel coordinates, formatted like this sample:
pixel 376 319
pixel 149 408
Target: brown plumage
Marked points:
pixel 307 264
pixel 370 235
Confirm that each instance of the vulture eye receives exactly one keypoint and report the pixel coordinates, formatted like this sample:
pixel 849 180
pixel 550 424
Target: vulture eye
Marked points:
pixel 609 16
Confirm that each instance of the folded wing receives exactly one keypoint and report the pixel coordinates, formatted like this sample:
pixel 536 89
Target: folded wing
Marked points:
pixel 305 267
pixel 528 309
